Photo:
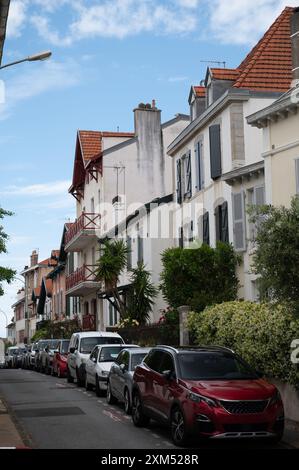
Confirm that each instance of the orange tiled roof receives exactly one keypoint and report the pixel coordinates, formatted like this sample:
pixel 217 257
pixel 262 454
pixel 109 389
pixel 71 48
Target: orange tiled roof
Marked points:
pixel 225 74
pixel 268 67
pixel 91 142
pixel 200 91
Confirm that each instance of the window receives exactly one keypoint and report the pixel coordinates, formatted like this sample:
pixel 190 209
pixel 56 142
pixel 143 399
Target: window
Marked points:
pixel 113 315
pixel 215 151
pixel 184 178
pixel 129 256
pixel 199 166
pixel 140 248
pixel 239 223
pixel 92 205
pixel 188 176
pixel 179 181
pixel 167 363
pixel 221 221
pixel 153 360
pixel 297 175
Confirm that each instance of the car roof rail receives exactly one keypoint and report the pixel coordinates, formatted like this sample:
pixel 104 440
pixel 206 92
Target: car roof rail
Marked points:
pixel 194 347
pixel 172 348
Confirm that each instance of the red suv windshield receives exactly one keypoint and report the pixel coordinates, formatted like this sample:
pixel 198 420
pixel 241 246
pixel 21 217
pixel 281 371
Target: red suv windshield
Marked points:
pixel 213 366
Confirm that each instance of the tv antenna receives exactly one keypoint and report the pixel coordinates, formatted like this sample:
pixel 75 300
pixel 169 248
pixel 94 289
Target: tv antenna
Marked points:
pixel 218 62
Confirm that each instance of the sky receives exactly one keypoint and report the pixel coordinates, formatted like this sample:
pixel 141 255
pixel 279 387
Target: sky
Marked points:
pixel 108 56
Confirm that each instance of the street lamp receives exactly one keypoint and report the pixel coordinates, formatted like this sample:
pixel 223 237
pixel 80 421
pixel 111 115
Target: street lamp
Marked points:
pixel 32 58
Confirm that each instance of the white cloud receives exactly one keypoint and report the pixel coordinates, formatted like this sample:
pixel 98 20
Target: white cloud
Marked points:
pixel 16 18
pixel 188 3
pixel 35 81
pixel 38 190
pixel 244 21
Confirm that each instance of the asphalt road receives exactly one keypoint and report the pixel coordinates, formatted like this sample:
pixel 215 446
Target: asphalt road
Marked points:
pixel 56 415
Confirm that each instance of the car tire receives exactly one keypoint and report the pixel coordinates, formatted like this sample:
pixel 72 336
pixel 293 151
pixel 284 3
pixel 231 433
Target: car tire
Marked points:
pixel 99 392
pixel 88 385
pixel 179 433
pixel 69 378
pixel 111 399
pixel 80 382
pixel 127 402
pixel 138 417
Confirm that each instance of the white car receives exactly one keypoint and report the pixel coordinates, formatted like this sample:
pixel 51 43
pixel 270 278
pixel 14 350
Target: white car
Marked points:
pixel 81 345
pixel 99 363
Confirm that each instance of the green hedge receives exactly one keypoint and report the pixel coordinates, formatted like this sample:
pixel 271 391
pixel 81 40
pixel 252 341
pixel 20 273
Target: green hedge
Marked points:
pixel 261 333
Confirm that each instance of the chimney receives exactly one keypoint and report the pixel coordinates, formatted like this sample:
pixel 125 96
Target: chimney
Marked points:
pixel 295 43
pixel 150 161
pixel 34 258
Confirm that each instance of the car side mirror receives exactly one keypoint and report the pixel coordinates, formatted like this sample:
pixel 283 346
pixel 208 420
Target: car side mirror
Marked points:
pixel 168 375
pixel 94 359
pixel 72 350
pixel 123 367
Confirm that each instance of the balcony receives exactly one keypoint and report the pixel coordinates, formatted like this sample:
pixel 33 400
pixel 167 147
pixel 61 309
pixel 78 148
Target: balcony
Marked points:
pixel 83 281
pixel 89 323
pixel 83 231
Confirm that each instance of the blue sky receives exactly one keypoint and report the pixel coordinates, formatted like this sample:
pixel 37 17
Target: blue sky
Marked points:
pixel 108 56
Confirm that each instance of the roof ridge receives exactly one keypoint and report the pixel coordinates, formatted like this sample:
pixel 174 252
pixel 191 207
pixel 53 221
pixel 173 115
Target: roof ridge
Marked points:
pixel 250 60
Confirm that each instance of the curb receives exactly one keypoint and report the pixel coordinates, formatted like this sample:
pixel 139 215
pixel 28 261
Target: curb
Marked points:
pixel 24 436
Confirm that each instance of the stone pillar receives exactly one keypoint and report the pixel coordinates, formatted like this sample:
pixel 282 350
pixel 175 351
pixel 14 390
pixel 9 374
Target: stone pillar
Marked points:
pixel 184 310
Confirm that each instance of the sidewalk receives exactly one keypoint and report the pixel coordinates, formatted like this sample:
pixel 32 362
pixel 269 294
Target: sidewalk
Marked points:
pixel 9 435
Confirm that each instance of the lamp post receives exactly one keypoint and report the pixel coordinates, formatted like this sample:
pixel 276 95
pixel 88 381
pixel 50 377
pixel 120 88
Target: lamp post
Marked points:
pixel 32 58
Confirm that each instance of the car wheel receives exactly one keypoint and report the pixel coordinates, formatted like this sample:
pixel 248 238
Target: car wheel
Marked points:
pixel 110 397
pixel 178 427
pixel 138 417
pixel 80 382
pixel 88 386
pixel 69 378
pixel 127 402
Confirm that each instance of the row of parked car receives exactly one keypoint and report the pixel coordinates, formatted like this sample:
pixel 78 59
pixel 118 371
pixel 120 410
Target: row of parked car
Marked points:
pixel 208 392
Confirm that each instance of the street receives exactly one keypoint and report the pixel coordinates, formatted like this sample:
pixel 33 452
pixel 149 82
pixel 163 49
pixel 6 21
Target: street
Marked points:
pixel 53 414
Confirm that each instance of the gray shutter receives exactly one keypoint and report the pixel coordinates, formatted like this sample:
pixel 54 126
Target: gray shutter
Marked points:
pixel 206 229
pixel 199 166
pixel 259 196
pixel 188 175
pixel 224 223
pixel 140 249
pixel 179 181
pixel 239 221
pixel 218 222
pixel 215 151
pixel 129 256
pixel 297 175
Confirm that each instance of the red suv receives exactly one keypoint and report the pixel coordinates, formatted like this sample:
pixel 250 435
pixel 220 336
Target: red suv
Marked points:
pixel 206 391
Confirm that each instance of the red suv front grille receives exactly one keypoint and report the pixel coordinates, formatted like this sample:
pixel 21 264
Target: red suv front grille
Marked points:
pixel 244 407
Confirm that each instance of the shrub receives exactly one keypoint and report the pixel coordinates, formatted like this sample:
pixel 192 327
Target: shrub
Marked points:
pixel 199 277
pixel 261 333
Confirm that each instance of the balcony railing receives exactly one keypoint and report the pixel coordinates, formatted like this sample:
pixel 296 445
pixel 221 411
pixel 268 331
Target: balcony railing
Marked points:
pixel 84 222
pixel 87 273
pixel 89 323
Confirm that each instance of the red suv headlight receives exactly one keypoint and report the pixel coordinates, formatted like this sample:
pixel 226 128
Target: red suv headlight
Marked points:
pixel 276 398
pixel 201 399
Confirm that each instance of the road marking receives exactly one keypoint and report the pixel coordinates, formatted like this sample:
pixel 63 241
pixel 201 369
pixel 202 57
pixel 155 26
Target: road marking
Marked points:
pixel 100 401
pixel 155 435
pixel 112 416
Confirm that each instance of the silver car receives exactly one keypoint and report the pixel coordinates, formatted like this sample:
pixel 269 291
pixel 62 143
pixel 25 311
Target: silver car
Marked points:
pixel 120 379
pixel 98 365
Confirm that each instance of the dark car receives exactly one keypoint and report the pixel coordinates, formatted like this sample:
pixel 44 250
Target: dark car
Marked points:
pixel 59 365
pixel 47 355
pixel 19 357
pixel 207 392
pixel 40 348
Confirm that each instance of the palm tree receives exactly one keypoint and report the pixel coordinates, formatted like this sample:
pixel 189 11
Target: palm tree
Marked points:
pixel 111 264
pixel 141 294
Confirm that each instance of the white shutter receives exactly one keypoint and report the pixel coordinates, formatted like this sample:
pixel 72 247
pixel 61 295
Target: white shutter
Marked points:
pixel 259 196
pixel 239 222
pixel 297 175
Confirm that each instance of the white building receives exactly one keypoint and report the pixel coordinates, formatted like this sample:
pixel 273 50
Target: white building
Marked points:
pixel 217 159
pixel 115 174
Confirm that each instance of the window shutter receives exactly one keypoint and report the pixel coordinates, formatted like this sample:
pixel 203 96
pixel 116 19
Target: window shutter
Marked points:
pixel 218 222
pixel 297 175
pixel 224 223
pixel 140 249
pixel 181 237
pixel 259 196
pixel 179 181
pixel 215 151
pixel 199 166
pixel 239 221
pixel 129 256
pixel 206 229
pixel 188 175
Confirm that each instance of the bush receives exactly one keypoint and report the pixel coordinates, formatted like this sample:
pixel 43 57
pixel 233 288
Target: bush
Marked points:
pixel 199 277
pixel 169 324
pixel 261 333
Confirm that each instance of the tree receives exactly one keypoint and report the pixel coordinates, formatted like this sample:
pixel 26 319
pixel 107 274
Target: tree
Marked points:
pixel 111 264
pixel 199 277
pixel 141 294
pixel 6 274
pixel 276 257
